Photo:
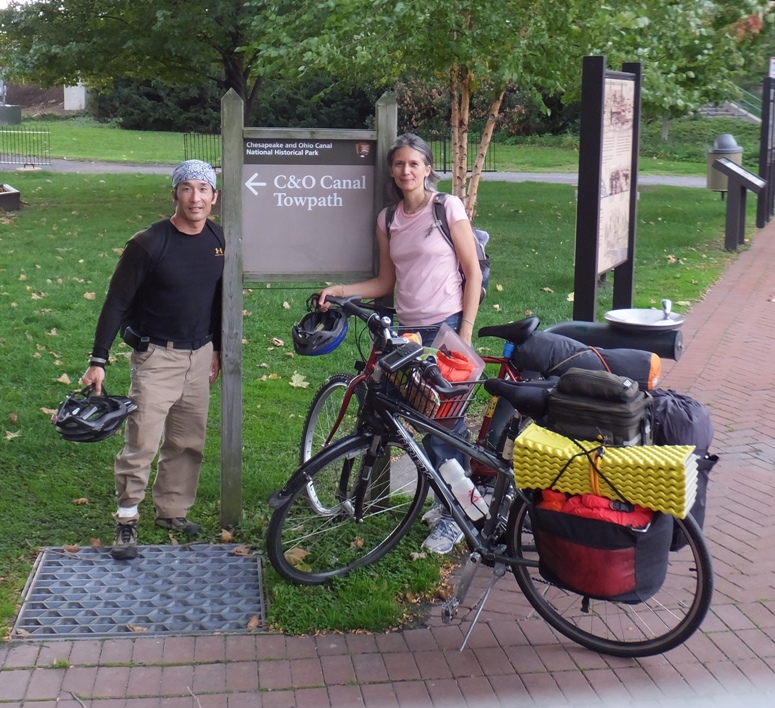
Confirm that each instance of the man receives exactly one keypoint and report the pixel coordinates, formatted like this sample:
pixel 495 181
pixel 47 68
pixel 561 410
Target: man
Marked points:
pixel 165 297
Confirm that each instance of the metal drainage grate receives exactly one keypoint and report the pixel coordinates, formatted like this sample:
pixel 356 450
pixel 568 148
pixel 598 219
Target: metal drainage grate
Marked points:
pixel 185 589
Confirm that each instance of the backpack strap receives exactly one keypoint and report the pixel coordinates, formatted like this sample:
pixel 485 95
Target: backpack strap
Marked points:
pixel 440 217
pixel 390 214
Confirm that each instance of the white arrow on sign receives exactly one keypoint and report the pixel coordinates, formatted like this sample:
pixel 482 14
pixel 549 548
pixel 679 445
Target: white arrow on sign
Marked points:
pixel 250 184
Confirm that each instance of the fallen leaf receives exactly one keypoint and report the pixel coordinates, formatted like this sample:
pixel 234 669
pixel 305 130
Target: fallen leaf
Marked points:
pixel 13 418
pixel 95 543
pixel 35 296
pixel 298 381
pixel 570 297
pixel 496 307
pixel 278 342
pixel 173 540
pixel 357 543
pixel 71 549
pixel 242 550
pixel 499 288
pixel 547 290
pixel 80 501
pixel 90 296
pixel 53 332
pixel 290 355
pixel 23 633
pixel 10 436
pixel 135 628
pixel 296 555
pixel 226 536
pixel 254 623
pixel 64 378
pixel 273 376
pixel 287 305
pixel 22 277
pixel 416 555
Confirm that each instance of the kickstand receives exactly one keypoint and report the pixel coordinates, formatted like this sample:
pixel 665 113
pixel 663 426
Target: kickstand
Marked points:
pixel 498 571
pixel 450 607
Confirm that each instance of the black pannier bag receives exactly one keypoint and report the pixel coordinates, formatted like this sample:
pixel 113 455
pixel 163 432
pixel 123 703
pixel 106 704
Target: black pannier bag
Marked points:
pixel 601 559
pixel 598 405
pixel 680 419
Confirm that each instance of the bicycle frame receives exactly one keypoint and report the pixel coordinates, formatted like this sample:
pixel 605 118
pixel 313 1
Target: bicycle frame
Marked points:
pixel 392 412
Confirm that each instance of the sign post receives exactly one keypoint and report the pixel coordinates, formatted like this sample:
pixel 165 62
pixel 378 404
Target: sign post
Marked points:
pixel 297 205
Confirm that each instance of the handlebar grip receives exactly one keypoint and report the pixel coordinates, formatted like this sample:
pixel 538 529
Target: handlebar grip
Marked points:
pixel 432 372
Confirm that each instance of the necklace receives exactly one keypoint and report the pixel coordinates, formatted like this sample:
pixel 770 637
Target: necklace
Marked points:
pixel 409 212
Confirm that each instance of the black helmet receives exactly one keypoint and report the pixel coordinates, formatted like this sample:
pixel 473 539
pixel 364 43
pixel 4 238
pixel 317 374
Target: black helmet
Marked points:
pixel 319 332
pixel 86 417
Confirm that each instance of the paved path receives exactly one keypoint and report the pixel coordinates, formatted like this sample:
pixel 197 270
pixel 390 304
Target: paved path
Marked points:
pixel 58 165
pixel 729 364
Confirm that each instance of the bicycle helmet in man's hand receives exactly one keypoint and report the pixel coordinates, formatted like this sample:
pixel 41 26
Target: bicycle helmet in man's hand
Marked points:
pixel 319 332
pixel 86 417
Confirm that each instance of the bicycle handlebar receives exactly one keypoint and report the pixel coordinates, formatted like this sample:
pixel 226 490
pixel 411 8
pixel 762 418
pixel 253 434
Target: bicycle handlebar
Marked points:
pixel 399 352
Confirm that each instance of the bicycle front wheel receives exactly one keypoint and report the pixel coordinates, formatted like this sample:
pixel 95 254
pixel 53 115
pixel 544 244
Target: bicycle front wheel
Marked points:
pixel 314 536
pixel 663 622
pixel 323 412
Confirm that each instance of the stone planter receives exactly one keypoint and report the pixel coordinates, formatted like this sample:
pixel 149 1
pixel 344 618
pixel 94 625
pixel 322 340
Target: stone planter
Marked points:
pixel 10 199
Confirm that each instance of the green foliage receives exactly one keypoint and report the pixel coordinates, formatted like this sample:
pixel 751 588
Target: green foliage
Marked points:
pixel 152 105
pixel 690 139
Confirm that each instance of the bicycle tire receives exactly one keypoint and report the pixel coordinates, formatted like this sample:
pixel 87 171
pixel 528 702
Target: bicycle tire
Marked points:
pixel 659 624
pixel 309 542
pixel 323 411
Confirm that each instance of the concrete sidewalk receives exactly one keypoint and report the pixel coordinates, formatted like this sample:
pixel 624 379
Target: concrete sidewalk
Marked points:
pixel 83 167
pixel 729 364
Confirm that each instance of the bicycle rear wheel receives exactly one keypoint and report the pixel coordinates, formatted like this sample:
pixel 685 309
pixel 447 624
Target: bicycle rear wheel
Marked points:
pixel 323 412
pixel 314 536
pixel 659 624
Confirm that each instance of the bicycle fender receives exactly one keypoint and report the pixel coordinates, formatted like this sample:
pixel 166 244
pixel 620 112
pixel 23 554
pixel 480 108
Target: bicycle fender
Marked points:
pixel 303 475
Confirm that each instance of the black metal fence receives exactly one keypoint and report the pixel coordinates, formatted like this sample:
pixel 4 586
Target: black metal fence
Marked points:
pixel 197 146
pixel 441 147
pixel 24 146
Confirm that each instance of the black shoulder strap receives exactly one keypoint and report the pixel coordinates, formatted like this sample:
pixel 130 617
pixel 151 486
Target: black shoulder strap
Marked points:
pixel 390 214
pixel 440 216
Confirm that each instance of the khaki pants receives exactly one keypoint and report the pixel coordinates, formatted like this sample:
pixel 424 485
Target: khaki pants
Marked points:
pixel 172 391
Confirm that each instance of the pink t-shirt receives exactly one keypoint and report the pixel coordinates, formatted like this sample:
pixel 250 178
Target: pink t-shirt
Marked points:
pixel 429 287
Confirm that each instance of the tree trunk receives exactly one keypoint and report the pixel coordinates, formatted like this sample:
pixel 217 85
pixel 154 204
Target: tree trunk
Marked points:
pixel 476 172
pixel 459 130
pixel 665 126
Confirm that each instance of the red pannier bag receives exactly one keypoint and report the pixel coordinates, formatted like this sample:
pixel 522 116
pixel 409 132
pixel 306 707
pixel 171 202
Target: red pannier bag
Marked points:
pixel 599 548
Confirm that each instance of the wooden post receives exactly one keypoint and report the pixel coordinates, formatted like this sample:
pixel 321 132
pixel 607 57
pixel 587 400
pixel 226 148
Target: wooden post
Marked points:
pixel 232 125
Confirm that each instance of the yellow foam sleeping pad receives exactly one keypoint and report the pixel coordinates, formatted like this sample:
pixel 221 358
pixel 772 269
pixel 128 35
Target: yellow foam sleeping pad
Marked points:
pixel 660 477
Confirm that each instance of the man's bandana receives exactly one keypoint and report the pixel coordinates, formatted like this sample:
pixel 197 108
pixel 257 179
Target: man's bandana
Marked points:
pixel 193 169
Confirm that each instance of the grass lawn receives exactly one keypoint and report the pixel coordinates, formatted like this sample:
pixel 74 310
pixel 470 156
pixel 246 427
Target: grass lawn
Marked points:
pixel 56 257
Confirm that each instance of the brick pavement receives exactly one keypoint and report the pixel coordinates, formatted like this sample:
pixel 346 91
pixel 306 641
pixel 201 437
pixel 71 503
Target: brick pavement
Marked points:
pixel 729 364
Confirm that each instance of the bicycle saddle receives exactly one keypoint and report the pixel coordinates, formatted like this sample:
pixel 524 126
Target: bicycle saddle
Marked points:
pixel 515 332
pixel 528 397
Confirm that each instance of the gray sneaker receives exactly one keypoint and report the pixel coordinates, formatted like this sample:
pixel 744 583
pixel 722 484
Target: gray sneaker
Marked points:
pixel 125 543
pixel 445 534
pixel 179 523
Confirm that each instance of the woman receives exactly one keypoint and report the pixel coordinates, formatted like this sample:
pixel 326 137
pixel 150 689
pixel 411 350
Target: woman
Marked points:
pixel 417 265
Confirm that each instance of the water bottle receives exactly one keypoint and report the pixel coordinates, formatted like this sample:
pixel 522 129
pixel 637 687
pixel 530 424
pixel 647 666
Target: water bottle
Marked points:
pixel 463 489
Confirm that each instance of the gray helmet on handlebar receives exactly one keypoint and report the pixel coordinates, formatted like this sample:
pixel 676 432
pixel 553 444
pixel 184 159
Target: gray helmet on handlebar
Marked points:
pixel 319 332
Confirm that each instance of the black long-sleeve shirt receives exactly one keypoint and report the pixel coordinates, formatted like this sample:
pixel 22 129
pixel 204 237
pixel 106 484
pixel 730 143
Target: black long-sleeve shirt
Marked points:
pixel 175 297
